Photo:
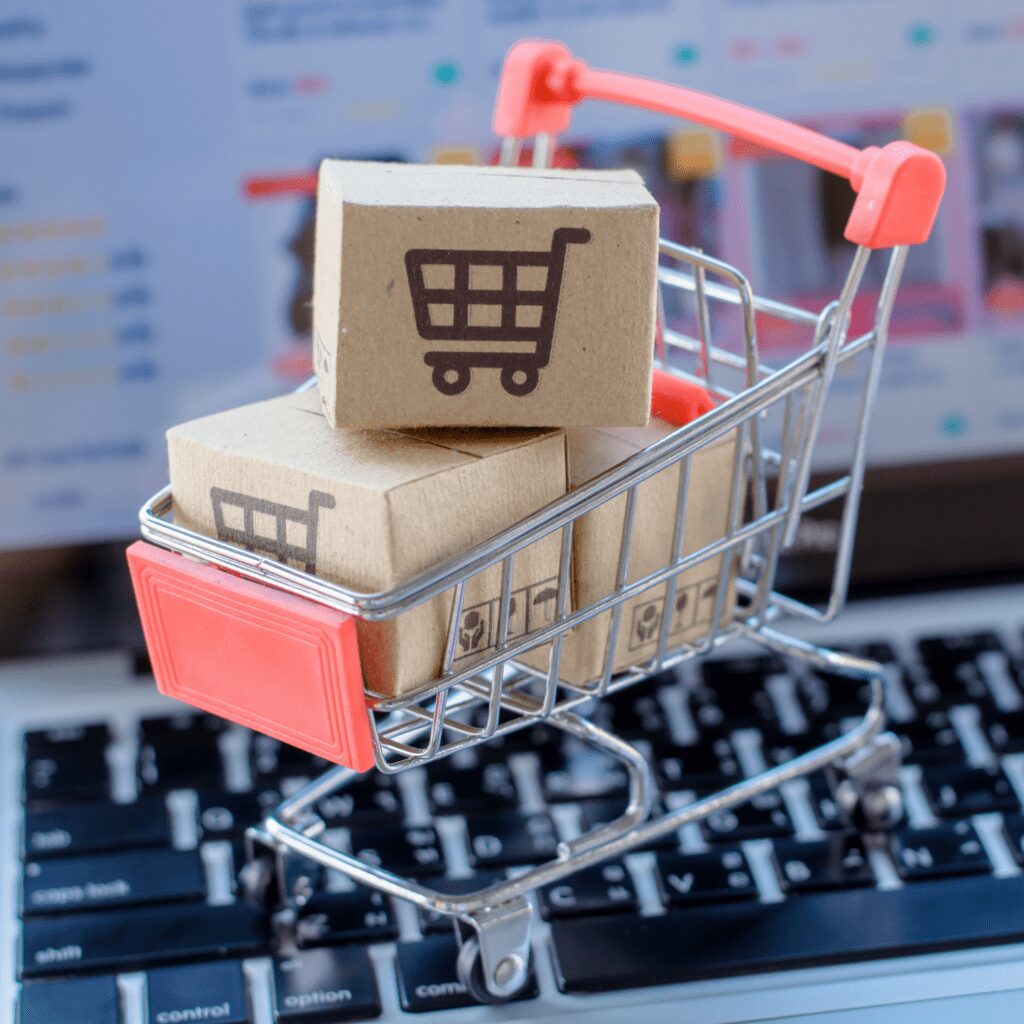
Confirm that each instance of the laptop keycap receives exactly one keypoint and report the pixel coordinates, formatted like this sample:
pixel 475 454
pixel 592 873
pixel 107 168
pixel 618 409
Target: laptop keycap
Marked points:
pixel 198 992
pixel 406 851
pixel 949 849
pixel 334 917
pixel 61 884
pixel 720 876
pixel 428 980
pixel 838 862
pixel 136 938
pixel 223 815
pixel 603 889
pixel 326 985
pixel 505 838
pixel 66 765
pixel 97 827
pixel 956 791
pixel 73 1001
pixel 604 953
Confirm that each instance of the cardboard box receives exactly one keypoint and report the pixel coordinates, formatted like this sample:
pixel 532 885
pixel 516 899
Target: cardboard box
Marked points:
pixel 483 296
pixel 370 510
pixel 596 540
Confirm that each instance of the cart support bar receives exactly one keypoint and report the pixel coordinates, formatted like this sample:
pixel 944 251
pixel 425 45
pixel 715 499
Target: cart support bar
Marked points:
pixel 899 185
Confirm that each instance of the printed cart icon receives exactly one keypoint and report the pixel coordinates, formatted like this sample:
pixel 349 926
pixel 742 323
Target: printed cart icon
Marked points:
pixel 508 309
pixel 240 519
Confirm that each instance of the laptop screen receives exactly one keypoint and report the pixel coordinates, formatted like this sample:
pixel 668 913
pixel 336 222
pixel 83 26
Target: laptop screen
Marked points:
pixel 156 228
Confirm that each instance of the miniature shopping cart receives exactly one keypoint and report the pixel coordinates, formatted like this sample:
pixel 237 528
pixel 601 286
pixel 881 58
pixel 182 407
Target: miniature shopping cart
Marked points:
pixel 774 415
pixel 519 344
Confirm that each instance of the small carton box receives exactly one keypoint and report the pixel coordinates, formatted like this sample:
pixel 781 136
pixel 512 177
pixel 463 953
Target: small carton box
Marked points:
pixel 483 296
pixel 370 509
pixel 597 537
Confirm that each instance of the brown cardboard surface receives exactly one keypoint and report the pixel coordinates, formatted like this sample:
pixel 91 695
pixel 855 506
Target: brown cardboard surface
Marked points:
pixel 370 509
pixel 597 536
pixel 388 328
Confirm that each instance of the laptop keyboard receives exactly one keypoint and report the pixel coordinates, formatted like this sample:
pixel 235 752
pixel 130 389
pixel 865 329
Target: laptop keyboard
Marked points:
pixel 132 846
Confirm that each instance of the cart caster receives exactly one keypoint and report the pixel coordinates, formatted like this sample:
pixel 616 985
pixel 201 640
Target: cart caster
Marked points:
pixel 519 380
pixel 869 794
pixel 449 379
pixel 510 977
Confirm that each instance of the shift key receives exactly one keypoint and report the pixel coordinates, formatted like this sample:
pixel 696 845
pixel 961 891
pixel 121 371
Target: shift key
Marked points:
pixel 140 937
pixel 61 884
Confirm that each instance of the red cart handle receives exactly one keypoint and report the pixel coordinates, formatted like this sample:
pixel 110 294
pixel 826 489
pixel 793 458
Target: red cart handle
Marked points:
pixel 899 185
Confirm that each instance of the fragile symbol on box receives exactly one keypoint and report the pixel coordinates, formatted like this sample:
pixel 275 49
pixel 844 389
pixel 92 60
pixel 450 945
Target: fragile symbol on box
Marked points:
pixel 489 296
pixel 692 606
pixel 529 608
pixel 282 531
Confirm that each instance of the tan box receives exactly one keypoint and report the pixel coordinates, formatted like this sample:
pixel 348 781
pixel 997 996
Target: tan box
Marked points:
pixel 596 540
pixel 483 296
pixel 370 510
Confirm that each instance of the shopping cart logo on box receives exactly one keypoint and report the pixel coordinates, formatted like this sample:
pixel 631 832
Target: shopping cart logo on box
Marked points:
pixel 239 519
pixel 489 296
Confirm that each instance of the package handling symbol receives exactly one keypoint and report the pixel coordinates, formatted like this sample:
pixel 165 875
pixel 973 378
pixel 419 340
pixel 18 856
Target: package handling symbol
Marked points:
pixel 509 312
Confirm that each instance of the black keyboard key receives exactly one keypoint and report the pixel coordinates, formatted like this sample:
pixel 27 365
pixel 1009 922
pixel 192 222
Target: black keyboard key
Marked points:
pixel 185 729
pixel 584 773
pixel 958 791
pixel 74 1001
pixel 709 764
pixel 330 918
pixel 406 851
pixel 719 876
pixel 433 923
pixel 67 765
pixel 1013 826
pixel 371 798
pixel 838 862
pixel 136 938
pixel 226 815
pixel 214 991
pixel 326 985
pixel 826 806
pixel 635 711
pixel 814 929
pixel 735 687
pixel 830 697
pixel 470 789
pixel 126 878
pixel 946 850
pixel 765 817
pixel 271 760
pixel 954 664
pixel 1005 731
pixel 181 759
pixel 97 828
pixel 602 889
pixel 930 739
pixel 509 837
pixel 779 747
pixel 428 980
pixel 595 813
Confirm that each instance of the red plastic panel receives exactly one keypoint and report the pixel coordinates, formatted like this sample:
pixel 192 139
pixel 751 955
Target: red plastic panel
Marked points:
pixel 267 660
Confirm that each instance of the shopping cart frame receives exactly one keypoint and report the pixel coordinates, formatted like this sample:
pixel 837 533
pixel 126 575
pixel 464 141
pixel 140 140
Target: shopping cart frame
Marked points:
pixel 770 492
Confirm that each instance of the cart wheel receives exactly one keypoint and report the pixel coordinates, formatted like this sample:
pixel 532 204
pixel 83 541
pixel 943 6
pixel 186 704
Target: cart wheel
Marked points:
pixel 451 380
pixel 470 969
pixel 519 380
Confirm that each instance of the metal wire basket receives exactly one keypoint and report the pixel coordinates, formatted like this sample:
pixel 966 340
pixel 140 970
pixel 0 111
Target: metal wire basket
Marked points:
pixel 771 415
